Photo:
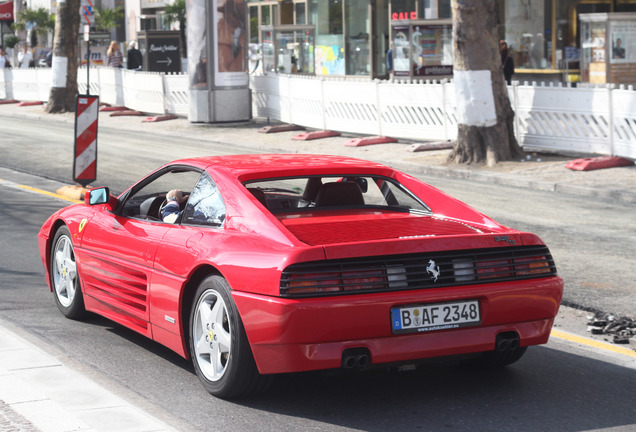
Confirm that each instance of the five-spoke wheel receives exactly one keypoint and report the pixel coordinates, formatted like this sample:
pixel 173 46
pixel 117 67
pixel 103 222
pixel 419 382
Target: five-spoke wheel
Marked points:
pixel 219 348
pixel 211 332
pixel 64 277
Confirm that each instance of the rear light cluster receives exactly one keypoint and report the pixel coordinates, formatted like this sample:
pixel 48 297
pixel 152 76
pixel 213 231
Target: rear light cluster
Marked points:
pixel 430 270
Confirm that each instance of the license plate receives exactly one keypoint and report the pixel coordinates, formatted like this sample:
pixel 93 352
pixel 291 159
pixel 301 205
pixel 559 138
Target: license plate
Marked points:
pixel 436 316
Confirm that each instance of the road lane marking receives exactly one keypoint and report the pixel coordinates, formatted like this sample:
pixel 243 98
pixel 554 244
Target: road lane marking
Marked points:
pixel 38 191
pixel 592 343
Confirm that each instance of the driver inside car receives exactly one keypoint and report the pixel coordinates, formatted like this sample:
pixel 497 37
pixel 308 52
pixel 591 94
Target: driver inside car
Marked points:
pixel 171 211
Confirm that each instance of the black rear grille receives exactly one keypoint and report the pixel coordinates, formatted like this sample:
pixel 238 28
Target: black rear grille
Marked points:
pixel 416 271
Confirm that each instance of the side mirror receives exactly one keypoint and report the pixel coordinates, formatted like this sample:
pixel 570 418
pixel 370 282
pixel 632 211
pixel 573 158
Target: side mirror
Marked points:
pixel 97 196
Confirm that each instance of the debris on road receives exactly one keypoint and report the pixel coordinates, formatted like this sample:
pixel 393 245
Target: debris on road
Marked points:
pixel 621 329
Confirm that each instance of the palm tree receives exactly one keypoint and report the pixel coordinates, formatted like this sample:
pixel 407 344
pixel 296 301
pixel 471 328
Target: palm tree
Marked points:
pixel 39 19
pixel 176 12
pixel 107 19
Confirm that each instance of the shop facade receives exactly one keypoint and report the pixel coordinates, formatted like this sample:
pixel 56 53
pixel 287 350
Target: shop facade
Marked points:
pixel 355 37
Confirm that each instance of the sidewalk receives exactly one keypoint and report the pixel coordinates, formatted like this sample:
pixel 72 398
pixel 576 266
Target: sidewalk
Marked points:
pixel 540 171
pixel 40 392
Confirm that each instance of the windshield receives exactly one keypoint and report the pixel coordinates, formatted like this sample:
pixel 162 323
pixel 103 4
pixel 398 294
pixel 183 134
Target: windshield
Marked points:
pixel 334 192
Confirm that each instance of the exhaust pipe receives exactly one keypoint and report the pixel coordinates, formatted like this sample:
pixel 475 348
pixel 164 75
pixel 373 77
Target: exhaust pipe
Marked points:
pixel 355 358
pixel 507 341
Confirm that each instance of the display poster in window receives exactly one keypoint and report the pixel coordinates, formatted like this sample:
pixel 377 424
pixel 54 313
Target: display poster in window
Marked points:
pixel 623 41
pixel 432 50
pixel 401 51
pixel 230 60
pixel 197 46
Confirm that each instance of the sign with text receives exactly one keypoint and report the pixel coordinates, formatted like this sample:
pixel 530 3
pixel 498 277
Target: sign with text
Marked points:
pixel 164 54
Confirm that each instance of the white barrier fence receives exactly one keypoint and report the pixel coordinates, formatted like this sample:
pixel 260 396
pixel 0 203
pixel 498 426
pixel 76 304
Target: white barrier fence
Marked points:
pixel 595 120
pixel 150 92
pixel 600 120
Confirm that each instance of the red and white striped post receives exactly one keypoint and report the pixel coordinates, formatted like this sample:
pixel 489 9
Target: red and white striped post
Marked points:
pixel 85 149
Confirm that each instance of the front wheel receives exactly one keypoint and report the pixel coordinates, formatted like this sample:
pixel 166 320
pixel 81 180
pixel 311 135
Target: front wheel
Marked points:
pixel 64 278
pixel 219 347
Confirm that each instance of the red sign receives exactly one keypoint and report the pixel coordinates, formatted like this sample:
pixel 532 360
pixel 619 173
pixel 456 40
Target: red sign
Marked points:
pixel 403 15
pixel 85 152
pixel 6 11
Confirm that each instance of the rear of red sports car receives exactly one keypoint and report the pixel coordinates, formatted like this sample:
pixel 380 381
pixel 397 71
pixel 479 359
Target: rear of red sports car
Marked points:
pixel 397 284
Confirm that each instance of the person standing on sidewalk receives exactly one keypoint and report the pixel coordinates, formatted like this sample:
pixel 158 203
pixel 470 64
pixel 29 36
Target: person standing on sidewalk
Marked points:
pixel 507 63
pixel 134 60
pixel 114 57
pixel 4 59
pixel 25 57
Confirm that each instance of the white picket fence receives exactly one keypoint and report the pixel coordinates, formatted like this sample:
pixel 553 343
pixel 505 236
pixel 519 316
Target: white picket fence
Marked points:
pixel 590 120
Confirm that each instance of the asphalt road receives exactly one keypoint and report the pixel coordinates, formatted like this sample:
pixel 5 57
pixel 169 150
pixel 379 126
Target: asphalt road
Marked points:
pixel 557 387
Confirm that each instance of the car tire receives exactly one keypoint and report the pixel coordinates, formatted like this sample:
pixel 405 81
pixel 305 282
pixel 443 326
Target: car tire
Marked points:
pixel 219 348
pixel 65 280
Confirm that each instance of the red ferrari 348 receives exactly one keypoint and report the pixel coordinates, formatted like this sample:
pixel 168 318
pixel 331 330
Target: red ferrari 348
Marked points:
pixel 288 263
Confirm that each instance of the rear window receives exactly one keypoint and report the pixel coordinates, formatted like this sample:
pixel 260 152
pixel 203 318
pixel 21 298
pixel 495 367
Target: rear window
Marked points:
pixel 330 192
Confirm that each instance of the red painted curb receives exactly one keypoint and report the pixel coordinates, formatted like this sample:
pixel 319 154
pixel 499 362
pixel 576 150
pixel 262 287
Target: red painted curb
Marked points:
pixel 445 145
pixel 280 128
pixel 308 136
pixel 31 103
pixel 107 108
pixel 8 101
pixel 602 162
pixel 359 142
pixel 126 113
pixel 159 118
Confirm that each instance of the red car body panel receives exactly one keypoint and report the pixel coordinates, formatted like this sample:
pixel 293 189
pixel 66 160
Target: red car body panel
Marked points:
pixel 137 272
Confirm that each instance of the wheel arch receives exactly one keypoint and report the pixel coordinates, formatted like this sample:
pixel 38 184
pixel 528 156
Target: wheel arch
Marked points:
pixel 187 298
pixel 55 226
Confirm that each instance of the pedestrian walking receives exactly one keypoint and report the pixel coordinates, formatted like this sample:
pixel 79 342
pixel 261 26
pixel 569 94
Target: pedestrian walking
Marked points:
pixel 114 57
pixel 134 60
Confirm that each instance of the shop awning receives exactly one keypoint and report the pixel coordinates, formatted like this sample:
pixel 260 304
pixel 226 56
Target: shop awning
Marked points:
pixel 6 11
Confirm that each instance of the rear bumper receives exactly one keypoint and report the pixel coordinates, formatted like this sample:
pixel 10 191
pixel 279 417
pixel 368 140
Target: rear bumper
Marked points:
pixel 303 357
pixel 288 335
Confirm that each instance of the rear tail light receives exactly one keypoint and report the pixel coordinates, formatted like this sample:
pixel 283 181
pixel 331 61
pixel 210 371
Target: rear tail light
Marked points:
pixel 416 271
pixel 532 266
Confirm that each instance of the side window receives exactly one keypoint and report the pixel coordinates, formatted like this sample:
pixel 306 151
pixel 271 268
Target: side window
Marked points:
pixel 205 205
pixel 146 199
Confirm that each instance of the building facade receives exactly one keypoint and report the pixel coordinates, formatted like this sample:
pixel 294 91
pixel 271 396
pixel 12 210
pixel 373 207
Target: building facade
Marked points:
pixel 412 38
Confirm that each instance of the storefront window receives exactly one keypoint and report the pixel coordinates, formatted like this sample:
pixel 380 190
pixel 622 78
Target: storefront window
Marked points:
pixel 253 24
pixel 288 49
pixel 357 59
pixel 404 9
pixel 329 49
pixel 295 51
pixel 300 14
pixel 423 49
pixel 266 15
pixel 529 33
